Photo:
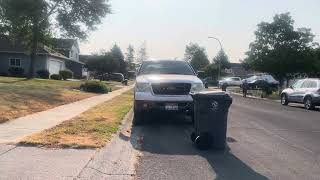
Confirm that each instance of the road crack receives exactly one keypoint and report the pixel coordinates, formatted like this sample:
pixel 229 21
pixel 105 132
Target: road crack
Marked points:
pixel 111 174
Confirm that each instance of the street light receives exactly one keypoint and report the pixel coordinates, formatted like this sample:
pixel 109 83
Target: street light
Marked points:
pixel 221 49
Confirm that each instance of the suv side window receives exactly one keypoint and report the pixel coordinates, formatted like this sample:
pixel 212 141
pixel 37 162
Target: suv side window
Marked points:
pixel 312 84
pixel 298 84
pixel 306 84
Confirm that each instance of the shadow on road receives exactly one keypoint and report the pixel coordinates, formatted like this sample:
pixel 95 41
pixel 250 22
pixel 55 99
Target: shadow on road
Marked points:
pixel 169 135
pixel 301 106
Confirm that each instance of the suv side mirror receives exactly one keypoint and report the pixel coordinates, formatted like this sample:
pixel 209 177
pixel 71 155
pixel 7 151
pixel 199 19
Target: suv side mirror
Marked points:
pixel 291 87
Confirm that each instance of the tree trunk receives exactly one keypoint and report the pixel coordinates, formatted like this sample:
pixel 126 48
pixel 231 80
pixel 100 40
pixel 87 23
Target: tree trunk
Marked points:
pixel 34 47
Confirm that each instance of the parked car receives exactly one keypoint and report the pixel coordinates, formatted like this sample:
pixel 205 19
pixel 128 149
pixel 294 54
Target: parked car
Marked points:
pixel 230 81
pixel 306 91
pixel 112 77
pixel 164 85
pixel 262 81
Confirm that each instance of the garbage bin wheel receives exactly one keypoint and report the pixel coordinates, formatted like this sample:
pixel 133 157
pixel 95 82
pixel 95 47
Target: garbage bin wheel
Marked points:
pixel 193 136
pixel 204 141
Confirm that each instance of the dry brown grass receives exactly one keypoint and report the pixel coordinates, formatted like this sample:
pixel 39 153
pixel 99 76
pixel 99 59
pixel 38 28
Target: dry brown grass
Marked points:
pixel 91 129
pixel 20 97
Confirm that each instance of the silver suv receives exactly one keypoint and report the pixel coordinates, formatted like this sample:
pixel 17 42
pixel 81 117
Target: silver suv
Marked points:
pixel 306 91
pixel 230 81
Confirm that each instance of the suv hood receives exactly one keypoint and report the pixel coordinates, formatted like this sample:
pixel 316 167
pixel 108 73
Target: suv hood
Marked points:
pixel 167 78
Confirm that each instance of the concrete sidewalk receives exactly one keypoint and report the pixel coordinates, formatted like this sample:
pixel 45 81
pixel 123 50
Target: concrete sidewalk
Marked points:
pixel 15 130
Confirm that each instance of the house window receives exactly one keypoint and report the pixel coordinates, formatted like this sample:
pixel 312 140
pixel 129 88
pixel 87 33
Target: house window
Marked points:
pixel 15 62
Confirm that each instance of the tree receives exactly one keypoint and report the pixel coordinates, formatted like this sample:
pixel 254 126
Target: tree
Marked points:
pixel 281 50
pixel 117 54
pixel 142 53
pixel 211 70
pixel 104 63
pixel 196 56
pixel 130 58
pixel 130 54
pixel 222 59
pixel 316 67
pixel 33 21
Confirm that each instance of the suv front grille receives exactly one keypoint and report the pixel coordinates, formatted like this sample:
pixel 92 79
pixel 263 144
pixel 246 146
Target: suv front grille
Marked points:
pixel 171 88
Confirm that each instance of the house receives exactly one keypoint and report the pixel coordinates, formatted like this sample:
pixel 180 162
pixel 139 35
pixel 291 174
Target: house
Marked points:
pixel 236 69
pixel 65 57
pixel 70 48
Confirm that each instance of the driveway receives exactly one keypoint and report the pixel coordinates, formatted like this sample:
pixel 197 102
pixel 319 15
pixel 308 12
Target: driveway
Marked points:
pixel 265 140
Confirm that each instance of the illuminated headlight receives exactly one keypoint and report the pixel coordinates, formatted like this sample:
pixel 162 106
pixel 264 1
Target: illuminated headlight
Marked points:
pixel 197 87
pixel 143 87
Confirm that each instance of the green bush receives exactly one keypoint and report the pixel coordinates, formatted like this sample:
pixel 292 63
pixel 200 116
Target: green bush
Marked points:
pixel 55 77
pixel 16 71
pixel 95 87
pixel 44 74
pixel 66 74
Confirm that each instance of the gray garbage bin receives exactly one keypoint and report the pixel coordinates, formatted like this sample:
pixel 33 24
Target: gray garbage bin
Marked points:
pixel 210 119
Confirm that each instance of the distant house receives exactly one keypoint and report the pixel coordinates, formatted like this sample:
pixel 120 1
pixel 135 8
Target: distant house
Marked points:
pixel 62 55
pixel 236 69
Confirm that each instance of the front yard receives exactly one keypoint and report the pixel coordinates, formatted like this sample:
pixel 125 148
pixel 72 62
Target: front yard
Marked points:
pixel 91 129
pixel 20 96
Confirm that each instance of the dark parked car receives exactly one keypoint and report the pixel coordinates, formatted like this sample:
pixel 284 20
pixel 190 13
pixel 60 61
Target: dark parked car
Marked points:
pixel 306 91
pixel 112 77
pixel 262 81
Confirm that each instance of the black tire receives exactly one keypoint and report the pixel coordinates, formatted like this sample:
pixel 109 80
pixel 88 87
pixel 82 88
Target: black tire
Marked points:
pixel 204 141
pixel 308 104
pixel 138 118
pixel 284 100
pixel 193 136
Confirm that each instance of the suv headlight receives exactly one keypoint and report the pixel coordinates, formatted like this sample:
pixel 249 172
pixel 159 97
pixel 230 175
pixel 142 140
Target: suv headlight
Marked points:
pixel 196 87
pixel 143 87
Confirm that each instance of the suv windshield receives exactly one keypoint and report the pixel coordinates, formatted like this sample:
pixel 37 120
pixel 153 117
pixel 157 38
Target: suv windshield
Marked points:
pixel 166 67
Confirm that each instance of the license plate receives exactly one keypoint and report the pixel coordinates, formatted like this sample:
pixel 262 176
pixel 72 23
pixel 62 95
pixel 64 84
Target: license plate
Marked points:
pixel 171 107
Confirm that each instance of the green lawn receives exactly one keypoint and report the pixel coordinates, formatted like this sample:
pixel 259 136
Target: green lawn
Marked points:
pixel 20 96
pixel 92 129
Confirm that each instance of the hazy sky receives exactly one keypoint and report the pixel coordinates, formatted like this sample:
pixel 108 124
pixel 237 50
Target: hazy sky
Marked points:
pixel 168 26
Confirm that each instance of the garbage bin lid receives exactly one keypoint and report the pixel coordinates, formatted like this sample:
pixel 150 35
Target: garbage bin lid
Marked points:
pixel 211 94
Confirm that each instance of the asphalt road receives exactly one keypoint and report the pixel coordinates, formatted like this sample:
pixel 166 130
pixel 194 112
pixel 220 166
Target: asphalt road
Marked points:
pixel 265 141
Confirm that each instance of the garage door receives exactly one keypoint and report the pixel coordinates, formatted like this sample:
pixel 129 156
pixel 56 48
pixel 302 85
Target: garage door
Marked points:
pixel 54 67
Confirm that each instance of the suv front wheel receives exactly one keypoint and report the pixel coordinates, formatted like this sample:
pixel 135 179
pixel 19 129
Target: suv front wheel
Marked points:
pixel 308 104
pixel 138 115
pixel 284 99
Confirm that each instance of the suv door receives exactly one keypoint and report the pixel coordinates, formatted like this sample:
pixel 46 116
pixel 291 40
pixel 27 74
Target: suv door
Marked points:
pixel 303 90
pixel 312 87
pixel 293 93
pixel 235 81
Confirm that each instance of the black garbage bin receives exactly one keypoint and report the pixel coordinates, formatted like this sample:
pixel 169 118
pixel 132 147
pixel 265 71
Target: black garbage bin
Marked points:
pixel 210 119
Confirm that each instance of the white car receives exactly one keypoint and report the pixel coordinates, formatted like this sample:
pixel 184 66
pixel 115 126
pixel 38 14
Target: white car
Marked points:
pixel 230 81
pixel 164 85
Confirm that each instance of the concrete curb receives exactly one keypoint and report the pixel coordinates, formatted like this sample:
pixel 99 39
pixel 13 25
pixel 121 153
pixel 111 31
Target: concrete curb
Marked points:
pixel 118 159
pixel 254 97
